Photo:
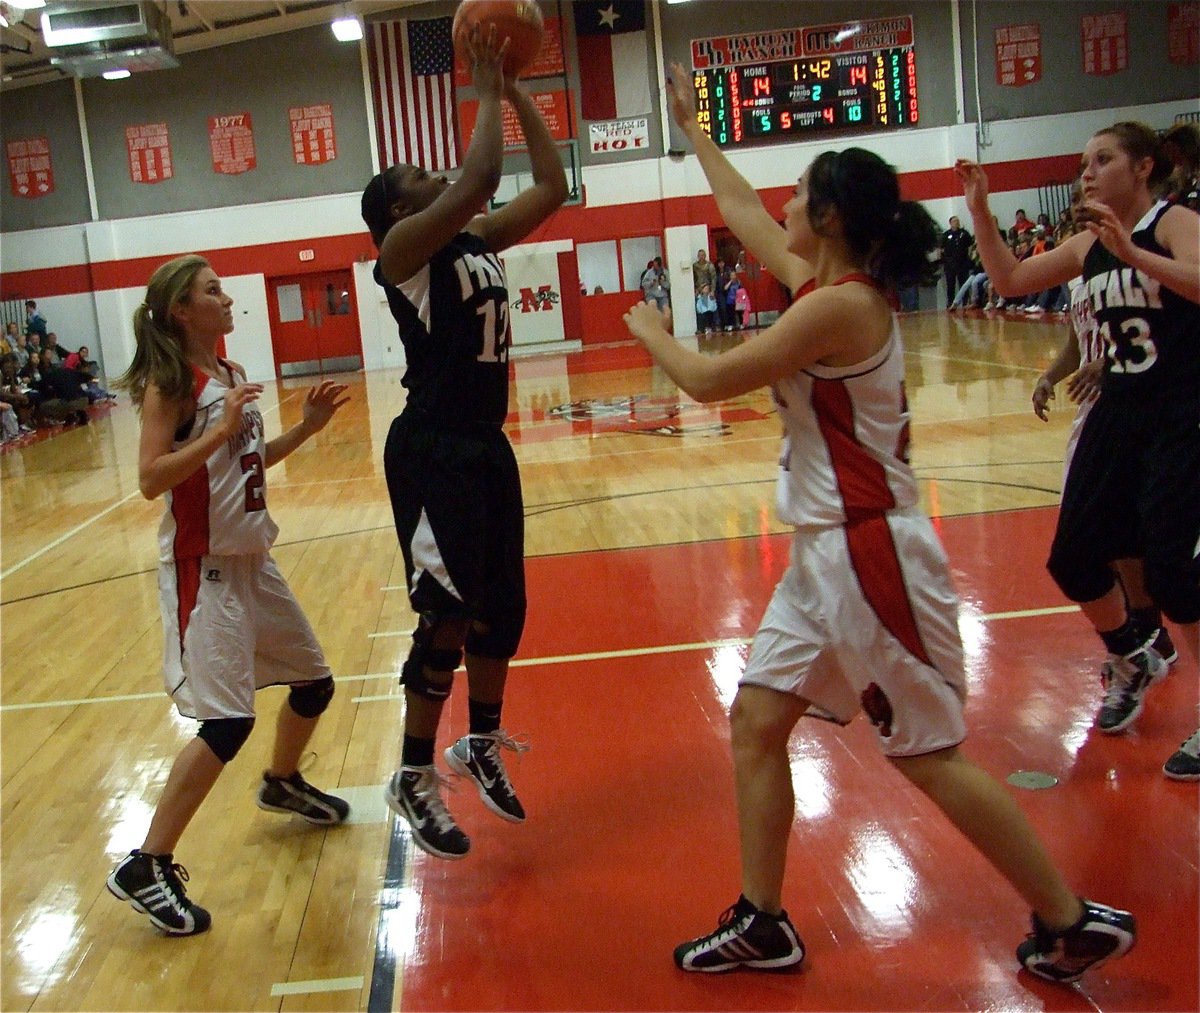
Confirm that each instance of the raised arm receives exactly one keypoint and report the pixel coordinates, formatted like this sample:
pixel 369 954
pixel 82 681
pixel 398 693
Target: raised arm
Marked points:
pixel 416 237
pixel 532 206
pixel 1178 232
pixel 739 203
pixel 1008 275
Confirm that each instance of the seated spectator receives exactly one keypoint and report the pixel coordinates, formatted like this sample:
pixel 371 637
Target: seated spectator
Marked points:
pixel 16 394
pixel 63 397
pixel 89 371
pixel 1021 224
pixel 8 343
pixel 50 343
pixel 10 428
pixel 21 351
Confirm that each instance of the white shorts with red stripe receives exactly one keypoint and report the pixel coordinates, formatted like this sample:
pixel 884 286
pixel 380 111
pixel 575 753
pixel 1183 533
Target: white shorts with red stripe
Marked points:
pixel 866 617
pixel 231 626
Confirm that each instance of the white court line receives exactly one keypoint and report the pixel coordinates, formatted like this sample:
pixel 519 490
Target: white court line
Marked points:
pixel 317 985
pixel 557 659
pixel 92 520
pixel 69 535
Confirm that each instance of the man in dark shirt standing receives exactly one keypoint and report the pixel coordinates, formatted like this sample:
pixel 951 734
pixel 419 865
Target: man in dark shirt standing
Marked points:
pixel 956 257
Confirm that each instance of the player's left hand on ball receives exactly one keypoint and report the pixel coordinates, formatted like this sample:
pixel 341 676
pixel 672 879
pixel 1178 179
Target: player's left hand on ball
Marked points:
pixel 321 402
pixel 644 318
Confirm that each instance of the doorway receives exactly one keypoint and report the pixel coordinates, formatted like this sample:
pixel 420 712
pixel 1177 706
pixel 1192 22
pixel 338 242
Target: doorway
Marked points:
pixel 314 327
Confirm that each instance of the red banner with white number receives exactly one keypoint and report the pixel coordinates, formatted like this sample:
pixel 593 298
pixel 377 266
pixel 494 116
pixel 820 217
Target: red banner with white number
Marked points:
pixel 1019 55
pixel 1105 41
pixel 231 140
pixel 30 171
pixel 149 147
pixel 313 140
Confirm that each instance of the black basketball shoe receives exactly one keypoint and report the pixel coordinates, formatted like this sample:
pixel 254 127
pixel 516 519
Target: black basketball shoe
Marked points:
pixel 153 885
pixel 478 757
pixel 745 937
pixel 415 793
pixel 1125 681
pixel 1101 934
pixel 295 795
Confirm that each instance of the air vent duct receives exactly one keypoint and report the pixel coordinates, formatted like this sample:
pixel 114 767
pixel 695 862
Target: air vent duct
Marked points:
pixel 90 37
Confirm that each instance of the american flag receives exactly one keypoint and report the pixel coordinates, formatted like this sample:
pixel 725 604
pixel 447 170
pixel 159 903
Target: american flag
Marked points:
pixel 412 83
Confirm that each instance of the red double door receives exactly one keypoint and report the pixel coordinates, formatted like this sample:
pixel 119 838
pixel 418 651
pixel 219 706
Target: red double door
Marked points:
pixel 314 324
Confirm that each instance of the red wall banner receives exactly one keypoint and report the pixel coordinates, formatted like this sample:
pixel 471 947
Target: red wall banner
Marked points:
pixel 551 104
pixel 313 139
pixel 149 147
pixel 1105 40
pixel 231 139
pixel 1183 33
pixel 30 171
pixel 1019 55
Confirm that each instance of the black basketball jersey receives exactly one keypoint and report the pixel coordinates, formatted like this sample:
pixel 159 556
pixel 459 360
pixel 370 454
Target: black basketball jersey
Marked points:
pixel 453 317
pixel 1151 335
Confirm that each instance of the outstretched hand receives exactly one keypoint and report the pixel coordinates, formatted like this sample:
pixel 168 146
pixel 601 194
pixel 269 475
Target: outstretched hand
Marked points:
pixel 486 55
pixel 236 398
pixel 681 94
pixel 974 183
pixel 1043 394
pixel 321 403
pixel 1100 220
pixel 644 319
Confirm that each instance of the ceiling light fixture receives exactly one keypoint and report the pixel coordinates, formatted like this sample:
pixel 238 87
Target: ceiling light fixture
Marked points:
pixel 347 29
pixel 116 75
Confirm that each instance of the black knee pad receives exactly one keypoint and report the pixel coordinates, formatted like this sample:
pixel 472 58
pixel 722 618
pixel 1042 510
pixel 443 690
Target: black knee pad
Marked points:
pixel 225 736
pixel 1175 589
pixel 310 699
pixel 423 655
pixel 1080 579
pixel 498 640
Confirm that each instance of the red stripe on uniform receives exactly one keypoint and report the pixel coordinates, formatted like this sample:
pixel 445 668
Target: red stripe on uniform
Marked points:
pixel 877 566
pixel 861 479
pixel 190 498
pixel 187 590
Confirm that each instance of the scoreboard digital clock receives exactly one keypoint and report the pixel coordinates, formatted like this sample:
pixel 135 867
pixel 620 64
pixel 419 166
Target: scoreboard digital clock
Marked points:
pixel 831 81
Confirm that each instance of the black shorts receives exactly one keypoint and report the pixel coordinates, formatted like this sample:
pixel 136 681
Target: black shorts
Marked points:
pixel 456 499
pixel 1133 488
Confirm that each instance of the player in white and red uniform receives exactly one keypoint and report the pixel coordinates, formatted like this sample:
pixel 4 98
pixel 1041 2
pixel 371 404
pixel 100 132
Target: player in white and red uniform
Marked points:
pixel 866 615
pixel 230 622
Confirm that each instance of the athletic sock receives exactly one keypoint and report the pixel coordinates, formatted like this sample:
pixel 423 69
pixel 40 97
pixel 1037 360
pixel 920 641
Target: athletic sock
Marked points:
pixel 1125 639
pixel 1148 619
pixel 485 717
pixel 416 752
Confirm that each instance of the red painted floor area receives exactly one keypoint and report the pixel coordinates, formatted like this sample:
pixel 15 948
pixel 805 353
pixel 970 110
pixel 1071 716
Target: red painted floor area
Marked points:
pixel 630 846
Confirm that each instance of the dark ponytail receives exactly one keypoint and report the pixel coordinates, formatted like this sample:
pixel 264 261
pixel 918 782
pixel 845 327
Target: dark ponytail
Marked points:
pixel 893 238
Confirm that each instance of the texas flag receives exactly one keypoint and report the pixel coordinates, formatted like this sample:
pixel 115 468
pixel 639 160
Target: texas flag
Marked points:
pixel 611 39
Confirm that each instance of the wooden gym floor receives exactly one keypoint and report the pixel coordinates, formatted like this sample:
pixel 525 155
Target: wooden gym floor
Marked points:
pixel 653 548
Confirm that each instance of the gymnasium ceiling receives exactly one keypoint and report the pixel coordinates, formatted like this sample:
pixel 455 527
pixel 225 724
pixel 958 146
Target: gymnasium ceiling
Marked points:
pixel 195 24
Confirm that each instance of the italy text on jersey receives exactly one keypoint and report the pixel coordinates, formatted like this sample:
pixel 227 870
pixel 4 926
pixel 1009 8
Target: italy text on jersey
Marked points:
pixel 1130 346
pixel 482 273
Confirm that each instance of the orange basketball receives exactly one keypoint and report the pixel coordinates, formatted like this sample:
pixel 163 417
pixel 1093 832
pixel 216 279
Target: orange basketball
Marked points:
pixel 518 20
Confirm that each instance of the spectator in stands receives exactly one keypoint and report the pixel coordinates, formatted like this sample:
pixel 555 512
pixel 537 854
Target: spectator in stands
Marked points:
pixel 1021 224
pixel 14 394
pixel 656 286
pixel 21 351
pixel 1181 144
pixel 9 342
pixel 89 373
pixel 971 293
pixel 50 344
pixel 727 294
pixel 63 397
pixel 35 323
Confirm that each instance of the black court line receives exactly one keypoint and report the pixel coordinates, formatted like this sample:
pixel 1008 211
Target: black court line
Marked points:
pixel 383 971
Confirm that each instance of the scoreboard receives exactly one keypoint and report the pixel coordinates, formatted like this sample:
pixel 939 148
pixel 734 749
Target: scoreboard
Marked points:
pixel 835 78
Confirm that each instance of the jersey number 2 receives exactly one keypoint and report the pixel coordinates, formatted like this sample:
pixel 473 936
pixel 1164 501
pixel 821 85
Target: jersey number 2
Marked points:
pixel 252 468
